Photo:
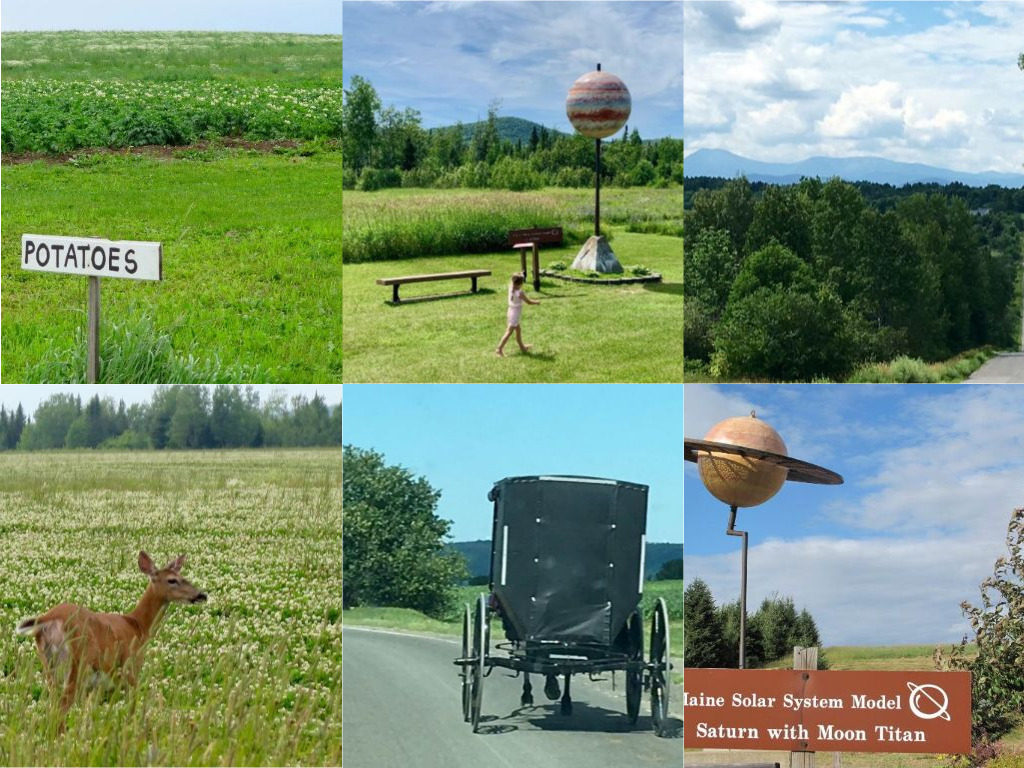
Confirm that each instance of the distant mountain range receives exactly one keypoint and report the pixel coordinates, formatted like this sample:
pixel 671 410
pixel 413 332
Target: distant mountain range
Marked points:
pixel 478 556
pixel 723 164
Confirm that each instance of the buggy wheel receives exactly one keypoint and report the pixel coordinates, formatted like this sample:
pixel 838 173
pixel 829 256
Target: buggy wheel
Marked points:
pixel 634 677
pixel 660 665
pixel 479 664
pixel 465 673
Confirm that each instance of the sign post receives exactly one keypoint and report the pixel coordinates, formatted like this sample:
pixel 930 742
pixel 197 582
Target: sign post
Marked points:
pixel 94 258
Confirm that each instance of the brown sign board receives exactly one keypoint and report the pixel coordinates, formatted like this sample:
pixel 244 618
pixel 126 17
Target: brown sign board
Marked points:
pixel 815 710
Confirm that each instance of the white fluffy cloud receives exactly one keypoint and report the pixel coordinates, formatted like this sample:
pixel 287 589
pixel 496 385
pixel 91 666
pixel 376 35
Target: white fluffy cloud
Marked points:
pixel 857 78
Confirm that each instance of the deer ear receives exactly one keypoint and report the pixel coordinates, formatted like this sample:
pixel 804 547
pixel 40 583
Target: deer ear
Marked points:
pixel 146 564
pixel 175 565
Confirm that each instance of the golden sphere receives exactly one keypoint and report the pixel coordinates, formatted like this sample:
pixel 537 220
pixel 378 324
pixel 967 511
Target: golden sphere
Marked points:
pixel 737 480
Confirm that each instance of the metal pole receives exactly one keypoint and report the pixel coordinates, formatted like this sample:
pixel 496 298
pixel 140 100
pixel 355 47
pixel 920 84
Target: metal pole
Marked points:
pixel 731 531
pixel 597 181
pixel 597 189
pixel 93 359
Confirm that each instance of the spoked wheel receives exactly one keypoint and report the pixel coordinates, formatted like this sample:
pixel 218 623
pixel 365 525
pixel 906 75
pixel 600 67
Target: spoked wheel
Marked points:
pixel 634 677
pixel 478 666
pixel 467 690
pixel 659 664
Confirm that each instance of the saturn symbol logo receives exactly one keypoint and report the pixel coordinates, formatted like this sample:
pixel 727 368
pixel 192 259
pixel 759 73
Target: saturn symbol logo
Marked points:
pixel 932 697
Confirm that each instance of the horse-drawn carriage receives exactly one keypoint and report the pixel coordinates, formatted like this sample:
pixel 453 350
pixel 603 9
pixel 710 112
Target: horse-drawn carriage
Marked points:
pixel 567 578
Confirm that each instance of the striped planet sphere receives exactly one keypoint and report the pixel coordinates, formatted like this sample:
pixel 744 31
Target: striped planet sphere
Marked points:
pixel 598 104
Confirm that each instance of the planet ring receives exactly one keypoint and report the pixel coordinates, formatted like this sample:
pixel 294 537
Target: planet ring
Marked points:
pixel 799 471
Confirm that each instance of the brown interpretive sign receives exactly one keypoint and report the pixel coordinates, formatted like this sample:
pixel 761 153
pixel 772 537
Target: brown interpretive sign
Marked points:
pixel 812 710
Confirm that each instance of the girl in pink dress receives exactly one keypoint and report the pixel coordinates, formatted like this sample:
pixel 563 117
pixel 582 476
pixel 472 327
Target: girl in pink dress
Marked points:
pixel 516 297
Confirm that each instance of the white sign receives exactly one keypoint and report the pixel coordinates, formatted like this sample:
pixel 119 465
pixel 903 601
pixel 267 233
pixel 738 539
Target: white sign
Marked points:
pixel 92 257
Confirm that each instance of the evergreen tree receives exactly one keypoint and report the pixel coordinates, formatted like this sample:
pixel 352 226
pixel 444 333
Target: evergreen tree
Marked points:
pixel 703 639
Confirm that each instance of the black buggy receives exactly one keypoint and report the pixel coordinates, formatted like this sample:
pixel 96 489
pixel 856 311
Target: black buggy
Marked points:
pixel 567 577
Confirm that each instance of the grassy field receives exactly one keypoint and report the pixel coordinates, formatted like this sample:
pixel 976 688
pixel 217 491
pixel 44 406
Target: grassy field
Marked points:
pixel 579 332
pixel 252 262
pixel 251 234
pixel 252 677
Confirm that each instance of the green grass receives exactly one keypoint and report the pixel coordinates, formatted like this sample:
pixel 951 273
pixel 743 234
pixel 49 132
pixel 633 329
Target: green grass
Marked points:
pixel 164 56
pixel 579 332
pixel 252 261
pixel 901 370
pixel 252 677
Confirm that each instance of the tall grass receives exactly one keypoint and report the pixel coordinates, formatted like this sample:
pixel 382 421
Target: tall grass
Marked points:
pixel 408 223
pixel 912 370
pixel 476 223
pixel 135 352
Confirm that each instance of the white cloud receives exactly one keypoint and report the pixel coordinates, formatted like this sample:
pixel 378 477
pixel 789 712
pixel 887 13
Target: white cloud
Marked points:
pixel 865 110
pixel 858 83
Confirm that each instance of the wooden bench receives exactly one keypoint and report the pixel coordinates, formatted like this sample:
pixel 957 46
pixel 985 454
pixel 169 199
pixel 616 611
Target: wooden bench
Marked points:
pixel 394 282
pixel 531 239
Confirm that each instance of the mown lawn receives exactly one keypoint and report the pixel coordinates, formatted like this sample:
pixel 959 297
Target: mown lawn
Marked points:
pixel 579 332
pixel 252 258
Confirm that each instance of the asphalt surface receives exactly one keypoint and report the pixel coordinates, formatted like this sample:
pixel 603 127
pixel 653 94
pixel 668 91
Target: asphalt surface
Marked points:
pixel 1005 368
pixel 402 709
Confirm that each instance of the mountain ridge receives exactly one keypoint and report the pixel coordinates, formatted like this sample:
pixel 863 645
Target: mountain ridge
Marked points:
pixel 720 163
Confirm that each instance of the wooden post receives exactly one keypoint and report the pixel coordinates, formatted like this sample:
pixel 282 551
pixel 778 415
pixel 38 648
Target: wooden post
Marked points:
pixel 803 658
pixel 536 266
pixel 93 359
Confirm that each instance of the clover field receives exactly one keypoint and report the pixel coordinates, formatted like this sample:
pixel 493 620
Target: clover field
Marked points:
pixel 252 677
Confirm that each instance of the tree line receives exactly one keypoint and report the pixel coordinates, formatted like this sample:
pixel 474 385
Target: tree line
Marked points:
pixel 388 147
pixel 177 417
pixel 713 631
pixel 810 280
pixel 990 199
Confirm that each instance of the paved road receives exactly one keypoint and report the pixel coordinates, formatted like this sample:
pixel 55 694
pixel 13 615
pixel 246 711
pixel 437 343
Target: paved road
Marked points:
pixel 402 709
pixel 1006 368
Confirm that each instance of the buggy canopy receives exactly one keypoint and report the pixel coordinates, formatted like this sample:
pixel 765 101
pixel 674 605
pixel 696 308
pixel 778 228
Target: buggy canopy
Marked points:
pixel 567 556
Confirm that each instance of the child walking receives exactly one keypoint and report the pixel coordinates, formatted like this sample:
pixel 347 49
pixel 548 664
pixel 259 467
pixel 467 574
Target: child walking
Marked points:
pixel 516 297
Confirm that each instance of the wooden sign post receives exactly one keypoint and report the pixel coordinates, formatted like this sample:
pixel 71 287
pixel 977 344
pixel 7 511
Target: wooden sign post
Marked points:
pixel 94 258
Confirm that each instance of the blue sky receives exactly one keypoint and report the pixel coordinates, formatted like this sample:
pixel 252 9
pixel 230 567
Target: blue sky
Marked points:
pixel 450 60
pixel 463 438
pixel 319 17
pixel 931 82
pixel 931 473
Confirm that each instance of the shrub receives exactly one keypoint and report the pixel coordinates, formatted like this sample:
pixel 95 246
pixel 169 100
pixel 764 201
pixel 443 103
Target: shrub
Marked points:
pixel 997 672
pixel 372 179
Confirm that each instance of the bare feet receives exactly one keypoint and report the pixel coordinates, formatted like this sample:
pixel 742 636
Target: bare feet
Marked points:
pixel 526 347
pixel 499 353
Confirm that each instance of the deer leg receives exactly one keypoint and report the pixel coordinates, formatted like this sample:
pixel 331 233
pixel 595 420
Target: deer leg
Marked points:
pixel 69 690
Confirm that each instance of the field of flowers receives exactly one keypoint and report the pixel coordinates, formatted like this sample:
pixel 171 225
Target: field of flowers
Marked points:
pixel 56 116
pixel 252 677
pixel 64 91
